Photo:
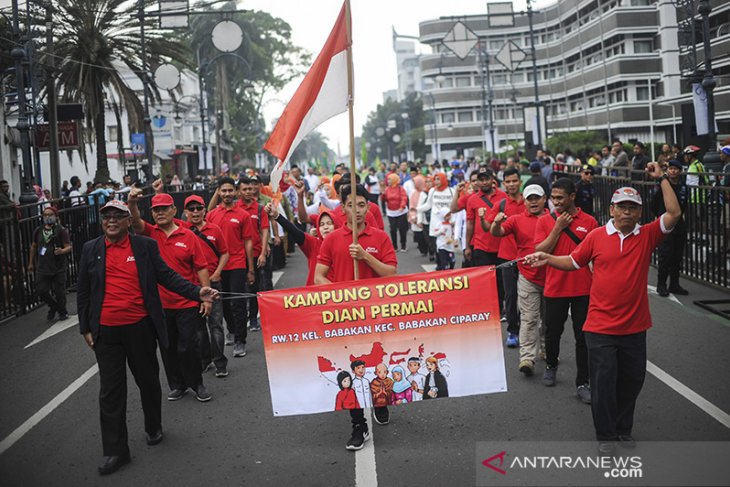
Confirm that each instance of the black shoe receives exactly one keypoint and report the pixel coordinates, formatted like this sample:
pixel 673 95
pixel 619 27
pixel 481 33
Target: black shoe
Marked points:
pixel 113 463
pixel 606 447
pixel 360 435
pixel 662 291
pixel 176 394
pixel 382 415
pixel 51 315
pixel 626 441
pixel 677 289
pixel 155 439
pixel 202 394
pixel 62 316
pixel 221 372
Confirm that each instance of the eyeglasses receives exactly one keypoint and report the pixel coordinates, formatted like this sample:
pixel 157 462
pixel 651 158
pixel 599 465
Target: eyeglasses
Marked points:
pixel 160 209
pixel 113 216
pixel 195 208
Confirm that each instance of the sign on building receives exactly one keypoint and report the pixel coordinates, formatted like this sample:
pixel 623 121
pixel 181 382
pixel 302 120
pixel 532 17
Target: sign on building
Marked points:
pixel 68 136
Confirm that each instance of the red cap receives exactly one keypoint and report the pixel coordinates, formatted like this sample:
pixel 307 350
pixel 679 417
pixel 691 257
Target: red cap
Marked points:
pixel 193 198
pixel 162 199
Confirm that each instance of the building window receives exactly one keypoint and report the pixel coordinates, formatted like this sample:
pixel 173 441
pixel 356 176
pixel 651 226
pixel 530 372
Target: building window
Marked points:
pixel 463 81
pixel 113 133
pixel 640 3
pixel 446 83
pixel 499 79
pixel 466 117
pixel 643 47
pixel 642 93
pixel 447 118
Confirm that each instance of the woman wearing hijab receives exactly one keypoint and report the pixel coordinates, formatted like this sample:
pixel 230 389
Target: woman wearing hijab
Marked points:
pixel 419 184
pixel 439 197
pixel 396 208
pixel 402 389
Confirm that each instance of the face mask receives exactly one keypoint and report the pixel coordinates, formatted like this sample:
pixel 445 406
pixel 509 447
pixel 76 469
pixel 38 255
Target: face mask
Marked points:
pixel 49 220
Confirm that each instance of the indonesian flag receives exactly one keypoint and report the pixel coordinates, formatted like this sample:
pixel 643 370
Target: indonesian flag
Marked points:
pixel 322 95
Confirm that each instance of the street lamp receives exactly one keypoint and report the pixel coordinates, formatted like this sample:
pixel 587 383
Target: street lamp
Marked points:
pixel 434 130
pixel 407 128
pixel 708 81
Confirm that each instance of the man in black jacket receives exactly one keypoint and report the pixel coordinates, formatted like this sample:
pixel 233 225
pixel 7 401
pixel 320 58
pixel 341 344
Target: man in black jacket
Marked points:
pixel 121 319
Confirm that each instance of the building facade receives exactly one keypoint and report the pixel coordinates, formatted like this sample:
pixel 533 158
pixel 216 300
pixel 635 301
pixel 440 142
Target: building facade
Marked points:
pixel 612 66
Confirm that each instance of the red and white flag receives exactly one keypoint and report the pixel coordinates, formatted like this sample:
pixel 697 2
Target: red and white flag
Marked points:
pixel 322 95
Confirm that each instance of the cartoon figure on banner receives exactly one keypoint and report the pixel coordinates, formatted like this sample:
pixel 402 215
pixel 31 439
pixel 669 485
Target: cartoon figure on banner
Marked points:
pixel 346 398
pixel 416 378
pixel 436 385
pixel 381 386
pixel 402 389
pixel 361 384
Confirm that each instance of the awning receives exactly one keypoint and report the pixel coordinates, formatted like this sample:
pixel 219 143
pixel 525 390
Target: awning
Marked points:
pixel 162 156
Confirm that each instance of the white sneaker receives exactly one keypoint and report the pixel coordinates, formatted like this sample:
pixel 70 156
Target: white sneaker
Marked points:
pixel 239 350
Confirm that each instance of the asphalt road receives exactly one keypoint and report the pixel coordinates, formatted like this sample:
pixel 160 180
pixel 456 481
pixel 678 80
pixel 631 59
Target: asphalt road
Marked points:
pixel 235 440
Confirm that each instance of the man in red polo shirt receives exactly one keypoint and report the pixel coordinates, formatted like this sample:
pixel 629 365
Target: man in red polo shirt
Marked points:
pixel 619 313
pixel 247 192
pixel 235 222
pixel 513 205
pixel 215 250
pixel 483 247
pixel 180 249
pixel 531 279
pixel 559 233
pixel 379 260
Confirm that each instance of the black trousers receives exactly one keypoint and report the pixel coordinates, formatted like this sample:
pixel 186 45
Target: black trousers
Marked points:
pixel 182 357
pixel 421 241
pixel 399 225
pixel 556 313
pixel 212 337
pixel 51 288
pixel 670 254
pixel 117 346
pixel 509 284
pixel 618 368
pixel 445 260
pixel 258 285
pixel 358 416
pixel 481 258
pixel 235 310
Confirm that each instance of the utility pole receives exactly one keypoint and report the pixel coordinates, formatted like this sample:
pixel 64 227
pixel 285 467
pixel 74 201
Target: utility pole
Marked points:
pixel 534 76
pixel 52 113
pixel 147 120
pixel 708 81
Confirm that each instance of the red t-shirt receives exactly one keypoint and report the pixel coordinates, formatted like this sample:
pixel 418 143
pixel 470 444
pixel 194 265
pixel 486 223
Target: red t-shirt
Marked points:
pixel 335 252
pixel 123 302
pixel 461 202
pixel 565 284
pixel 214 235
pixel 377 215
pixel 507 244
pixel 482 240
pixel 235 223
pixel 338 216
pixel 310 248
pixel 522 228
pixel 181 251
pixel 253 211
pixel 619 304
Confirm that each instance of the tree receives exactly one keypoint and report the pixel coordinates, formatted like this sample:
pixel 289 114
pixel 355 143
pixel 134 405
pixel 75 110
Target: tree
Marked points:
pixel 382 144
pixel 575 141
pixel 313 149
pixel 97 43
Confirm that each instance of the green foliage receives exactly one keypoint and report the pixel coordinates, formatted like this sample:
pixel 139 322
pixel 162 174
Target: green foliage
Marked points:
pixel 382 145
pixel 575 141
pixel 314 147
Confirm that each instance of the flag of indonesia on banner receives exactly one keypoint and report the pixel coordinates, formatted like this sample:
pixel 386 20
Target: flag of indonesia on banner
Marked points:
pixel 322 95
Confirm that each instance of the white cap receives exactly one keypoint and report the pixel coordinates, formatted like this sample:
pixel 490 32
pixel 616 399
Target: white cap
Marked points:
pixel 533 189
pixel 626 194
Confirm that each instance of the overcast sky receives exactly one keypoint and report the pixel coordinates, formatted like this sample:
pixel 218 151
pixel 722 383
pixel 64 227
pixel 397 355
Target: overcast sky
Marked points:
pixel 374 59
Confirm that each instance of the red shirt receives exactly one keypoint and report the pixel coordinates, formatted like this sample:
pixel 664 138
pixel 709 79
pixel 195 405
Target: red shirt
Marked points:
pixel 461 202
pixel 507 244
pixel 181 251
pixel 310 249
pixel 395 198
pixel 565 284
pixel 214 235
pixel 253 211
pixel 235 223
pixel 619 304
pixel 522 228
pixel 123 302
pixel 482 240
pixel 377 215
pixel 335 252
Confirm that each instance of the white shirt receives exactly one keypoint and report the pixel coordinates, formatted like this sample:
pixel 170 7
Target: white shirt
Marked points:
pixel 361 386
pixel 313 181
pixel 420 381
pixel 76 198
pixel 436 201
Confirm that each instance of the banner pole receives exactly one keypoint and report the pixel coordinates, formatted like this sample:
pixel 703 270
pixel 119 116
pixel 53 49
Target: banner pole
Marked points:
pixel 350 106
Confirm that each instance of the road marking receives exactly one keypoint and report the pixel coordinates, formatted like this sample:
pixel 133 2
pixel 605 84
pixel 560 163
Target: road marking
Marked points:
pixel 690 395
pixel 671 297
pixel 429 267
pixel 365 472
pixel 47 409
pixel 275 276
pixel 55 329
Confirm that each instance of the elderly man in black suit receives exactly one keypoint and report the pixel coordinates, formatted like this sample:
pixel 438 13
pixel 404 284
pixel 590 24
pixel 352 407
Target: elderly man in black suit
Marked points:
pixel 121 319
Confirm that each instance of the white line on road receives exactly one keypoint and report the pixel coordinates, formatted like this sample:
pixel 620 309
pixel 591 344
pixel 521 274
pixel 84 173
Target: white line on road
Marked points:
pixel 365 473
pixel 690 395
pixel 56 328
pixel 47 409
pixel 428 267
pixel 275 276
pixel 671 297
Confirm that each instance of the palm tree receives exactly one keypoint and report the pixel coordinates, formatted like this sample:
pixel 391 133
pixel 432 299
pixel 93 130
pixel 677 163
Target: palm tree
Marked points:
pixel 97 43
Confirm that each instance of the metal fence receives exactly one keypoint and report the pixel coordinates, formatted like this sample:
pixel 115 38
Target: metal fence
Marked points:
pixel 707 219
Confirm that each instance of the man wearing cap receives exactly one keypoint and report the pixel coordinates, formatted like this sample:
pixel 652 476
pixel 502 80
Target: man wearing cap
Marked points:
pixel 247 188
pixel 531 280
pixel 483 247
pixel 671 249
pixel 235 222
pixel 215 250
pixel 560 232
pixel 182 251
pixel 51 244
pixel 584 190
pixel 619 313
pixel 121 319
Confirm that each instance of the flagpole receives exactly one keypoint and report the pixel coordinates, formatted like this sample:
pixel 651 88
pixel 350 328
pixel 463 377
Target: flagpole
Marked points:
pixel 350 106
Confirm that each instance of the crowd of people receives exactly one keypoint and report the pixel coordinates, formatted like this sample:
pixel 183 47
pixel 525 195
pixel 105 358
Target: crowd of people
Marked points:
pixel 539 229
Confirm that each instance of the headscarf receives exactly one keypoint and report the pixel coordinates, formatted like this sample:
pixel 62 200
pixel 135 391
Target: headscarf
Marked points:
pixel 402 384
pixel 314 219
pixel 335 178
pixel 419 183
pixel 393 180
pixel 440 181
